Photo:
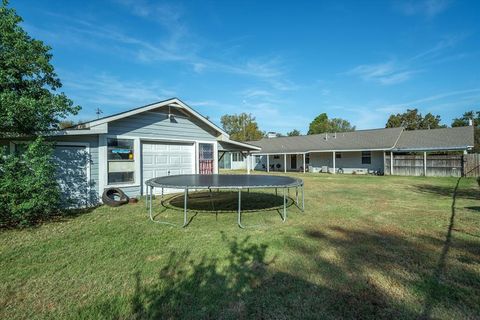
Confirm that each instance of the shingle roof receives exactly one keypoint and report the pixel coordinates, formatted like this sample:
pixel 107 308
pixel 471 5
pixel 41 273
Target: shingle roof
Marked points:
pixel 441 139
pixel 342 141
pixel 375 139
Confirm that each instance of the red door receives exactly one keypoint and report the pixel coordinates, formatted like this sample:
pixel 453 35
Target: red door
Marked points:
pixel 205 158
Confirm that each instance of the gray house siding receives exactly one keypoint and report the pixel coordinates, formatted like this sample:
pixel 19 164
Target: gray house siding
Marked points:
pixel 94 161
pixel 152 125
pixel 157 125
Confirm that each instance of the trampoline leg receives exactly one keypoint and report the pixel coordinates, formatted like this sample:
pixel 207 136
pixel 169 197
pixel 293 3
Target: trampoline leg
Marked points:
pixel 284 217
pixel 211 199
pixel 303 198
pixel 146 197
pixel 185 207
pixel 239 221
pixel 296 195
pixel 150 204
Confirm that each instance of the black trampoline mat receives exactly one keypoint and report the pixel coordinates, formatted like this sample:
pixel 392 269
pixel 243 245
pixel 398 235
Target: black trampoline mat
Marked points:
pixel 220 181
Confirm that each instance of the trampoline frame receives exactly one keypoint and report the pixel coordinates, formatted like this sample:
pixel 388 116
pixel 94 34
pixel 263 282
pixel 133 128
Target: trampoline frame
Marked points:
pixel 298 183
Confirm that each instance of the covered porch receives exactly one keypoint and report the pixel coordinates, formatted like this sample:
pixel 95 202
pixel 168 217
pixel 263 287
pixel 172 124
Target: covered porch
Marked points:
pixel 332 161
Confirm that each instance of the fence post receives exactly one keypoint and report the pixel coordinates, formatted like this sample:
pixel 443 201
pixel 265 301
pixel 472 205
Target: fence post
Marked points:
pixel 425 163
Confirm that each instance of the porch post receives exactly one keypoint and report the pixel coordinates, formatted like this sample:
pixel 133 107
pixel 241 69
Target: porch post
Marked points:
pixel 425 163
pixel 391 163
pixel 248 162
pixel 333 162
pixel 304 162
pixel 285 162
pixel 268 162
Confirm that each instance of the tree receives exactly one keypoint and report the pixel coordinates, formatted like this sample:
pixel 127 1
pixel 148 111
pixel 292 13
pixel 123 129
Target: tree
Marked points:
pixel 241 127
pixel 29 106
pixel 464 121
pixel 29 102
pixel 413 120
pixel 322 124
pixel 293 133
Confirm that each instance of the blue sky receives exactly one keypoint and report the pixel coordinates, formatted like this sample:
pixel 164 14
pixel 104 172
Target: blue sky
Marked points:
pixel 283 62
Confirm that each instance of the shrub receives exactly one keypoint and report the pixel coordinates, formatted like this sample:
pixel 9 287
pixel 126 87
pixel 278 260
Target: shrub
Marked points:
pixel 28 188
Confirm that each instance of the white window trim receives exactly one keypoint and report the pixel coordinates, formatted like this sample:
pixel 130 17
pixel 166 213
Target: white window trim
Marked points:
pixel 136 159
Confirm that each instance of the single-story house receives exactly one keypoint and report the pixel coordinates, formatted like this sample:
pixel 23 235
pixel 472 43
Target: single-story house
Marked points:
pixel 126 149
pixel 362 151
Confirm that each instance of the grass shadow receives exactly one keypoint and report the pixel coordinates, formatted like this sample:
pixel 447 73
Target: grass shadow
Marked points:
pixel 243 284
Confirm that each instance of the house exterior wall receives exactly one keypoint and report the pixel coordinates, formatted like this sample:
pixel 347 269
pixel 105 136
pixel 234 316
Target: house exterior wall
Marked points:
pixel 92 141
pixel 348 160
pixel 153 126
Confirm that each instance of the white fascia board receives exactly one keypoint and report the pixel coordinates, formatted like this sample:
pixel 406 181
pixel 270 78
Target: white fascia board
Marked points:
pixel 240 144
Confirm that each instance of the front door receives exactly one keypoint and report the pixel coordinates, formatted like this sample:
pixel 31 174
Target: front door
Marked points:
pixel 293 161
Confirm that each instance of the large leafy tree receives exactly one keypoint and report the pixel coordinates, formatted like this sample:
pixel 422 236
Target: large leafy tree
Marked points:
pixel 464 121
pixel 30 106
pixel 323 124
pixel 241 127
pixel 29 101
pixel 413 120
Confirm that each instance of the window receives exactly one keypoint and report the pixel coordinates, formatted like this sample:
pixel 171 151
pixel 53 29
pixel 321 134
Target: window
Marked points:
pixel 338 155
pixel 236 156
pixel 276 157
pixel 121 162
pixel 366 157
pixel 307 158
pixel 257 159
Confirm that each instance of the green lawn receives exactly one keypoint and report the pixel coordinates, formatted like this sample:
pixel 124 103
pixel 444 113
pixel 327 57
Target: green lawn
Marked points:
pixel 366 247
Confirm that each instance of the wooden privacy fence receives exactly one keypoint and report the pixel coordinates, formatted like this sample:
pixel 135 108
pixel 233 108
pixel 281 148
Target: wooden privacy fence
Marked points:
pixel 435 165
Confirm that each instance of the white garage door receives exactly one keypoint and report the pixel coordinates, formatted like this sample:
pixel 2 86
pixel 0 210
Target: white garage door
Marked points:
pixel 72 175
pixel 164 159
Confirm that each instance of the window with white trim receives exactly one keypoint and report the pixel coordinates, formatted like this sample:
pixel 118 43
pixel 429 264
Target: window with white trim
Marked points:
pixel 121 162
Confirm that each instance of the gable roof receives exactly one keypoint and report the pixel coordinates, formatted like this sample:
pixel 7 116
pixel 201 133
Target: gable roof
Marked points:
pixel 173 102
pixel 396 139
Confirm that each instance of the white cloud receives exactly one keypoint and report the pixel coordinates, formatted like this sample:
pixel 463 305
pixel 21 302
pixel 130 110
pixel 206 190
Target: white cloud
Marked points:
pixel 387 73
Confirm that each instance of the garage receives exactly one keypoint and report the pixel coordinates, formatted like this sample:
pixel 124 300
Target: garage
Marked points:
pixel 73 176
pixel 162 159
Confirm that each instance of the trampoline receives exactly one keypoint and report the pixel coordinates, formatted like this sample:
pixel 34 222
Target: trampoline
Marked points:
pixel 224 181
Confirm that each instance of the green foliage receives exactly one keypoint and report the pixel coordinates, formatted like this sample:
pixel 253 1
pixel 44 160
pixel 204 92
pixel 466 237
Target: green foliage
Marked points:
pixel 29 103
pixel 413 120
pixel 28 189
pixel 293 133
pixel 241 127
pixel 464 121
pixel 322 124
